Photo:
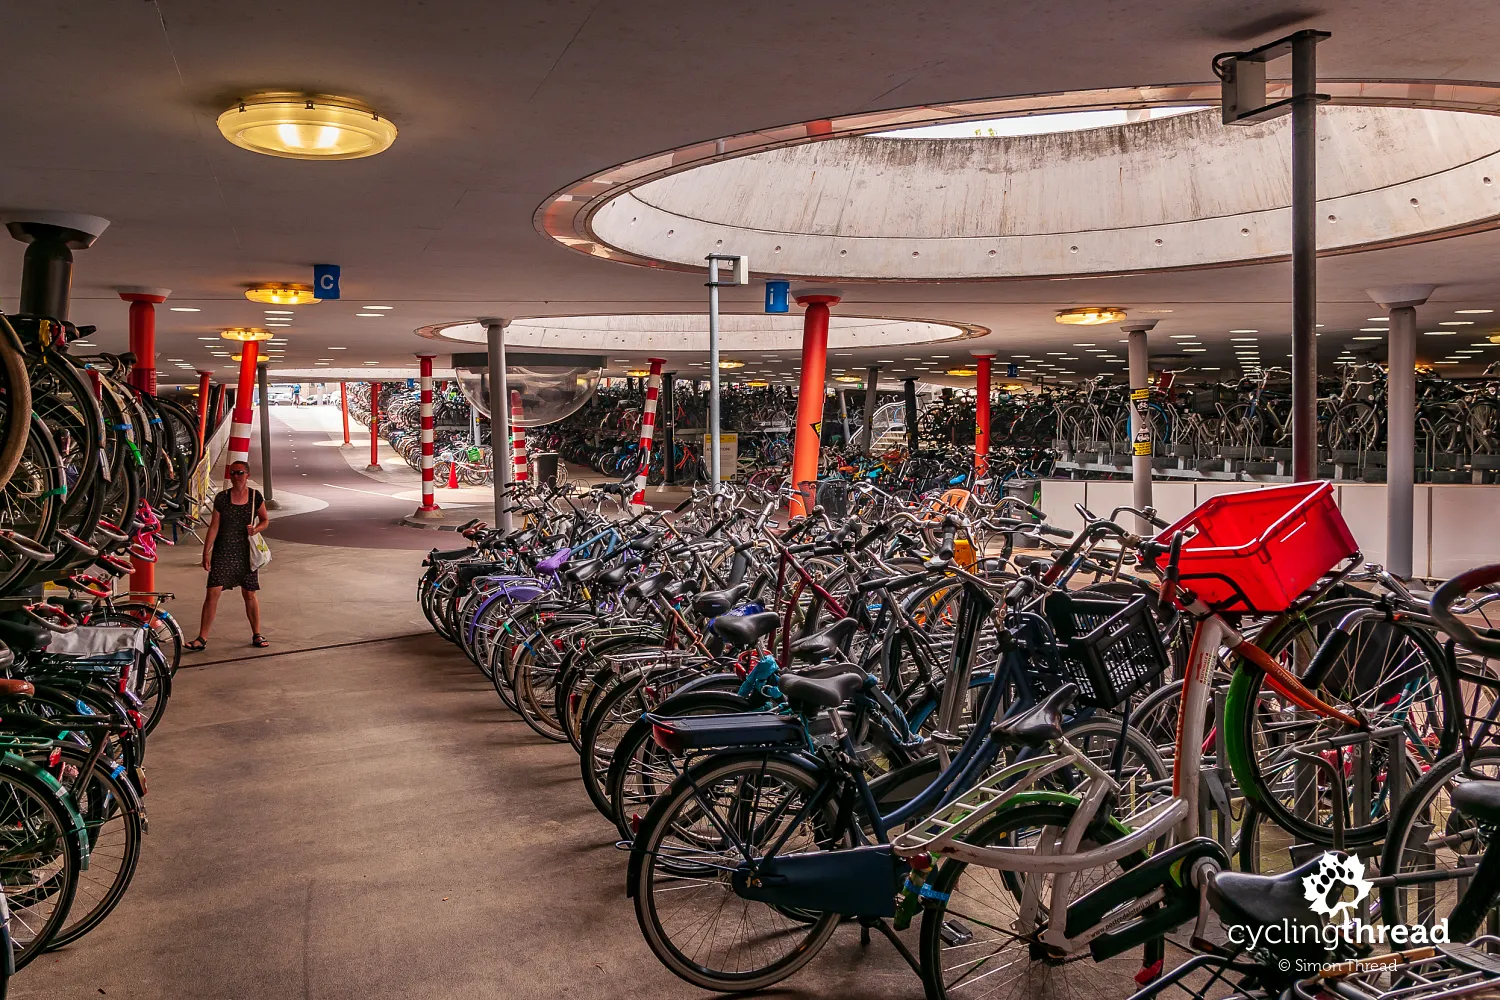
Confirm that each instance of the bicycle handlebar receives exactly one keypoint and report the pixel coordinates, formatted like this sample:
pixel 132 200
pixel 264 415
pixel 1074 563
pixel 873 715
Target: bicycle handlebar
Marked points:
pixel 1450 591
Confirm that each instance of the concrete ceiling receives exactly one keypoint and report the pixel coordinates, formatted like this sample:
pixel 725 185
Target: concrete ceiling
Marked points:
pixel 111 112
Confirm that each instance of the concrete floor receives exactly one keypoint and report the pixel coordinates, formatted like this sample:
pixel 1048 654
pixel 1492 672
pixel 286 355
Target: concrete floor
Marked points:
pixel 368 821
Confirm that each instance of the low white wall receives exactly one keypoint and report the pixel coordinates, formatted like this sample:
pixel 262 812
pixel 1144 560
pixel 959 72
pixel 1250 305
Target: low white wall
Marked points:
pixel 1454 528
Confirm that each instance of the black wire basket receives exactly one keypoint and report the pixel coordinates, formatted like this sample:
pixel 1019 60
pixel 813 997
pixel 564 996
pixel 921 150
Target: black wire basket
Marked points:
pixel 1110 648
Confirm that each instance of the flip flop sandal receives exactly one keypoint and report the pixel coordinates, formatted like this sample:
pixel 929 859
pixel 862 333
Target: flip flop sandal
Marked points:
pixel 196 645
pixel 259 641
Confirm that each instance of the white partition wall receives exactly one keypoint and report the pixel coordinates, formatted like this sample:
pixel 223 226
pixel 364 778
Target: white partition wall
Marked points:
pixel 1454 528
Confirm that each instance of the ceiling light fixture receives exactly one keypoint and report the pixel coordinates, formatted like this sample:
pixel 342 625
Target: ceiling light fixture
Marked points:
pixel 371 315
pixel 731 364
pixel 964 372
pixel 847 378
pixel 1090 315
pixel 185 309
pixel 245 334
pixel 281 293
pixel 638 372
pixel 1472 312
pixel 1368 338
pixel 380 307
pixel 757 383
pixel 306 127
pixel 1244 331
pixel 1439 333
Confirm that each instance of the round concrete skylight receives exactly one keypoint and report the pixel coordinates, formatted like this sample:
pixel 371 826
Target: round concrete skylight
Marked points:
pixel 1094 192
pixel 687 333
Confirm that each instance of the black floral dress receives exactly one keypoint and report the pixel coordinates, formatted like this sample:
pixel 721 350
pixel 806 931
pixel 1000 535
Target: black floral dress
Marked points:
pixel 230 561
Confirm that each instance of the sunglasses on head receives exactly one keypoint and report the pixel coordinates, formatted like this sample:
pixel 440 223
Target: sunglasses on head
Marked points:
pixel 239 472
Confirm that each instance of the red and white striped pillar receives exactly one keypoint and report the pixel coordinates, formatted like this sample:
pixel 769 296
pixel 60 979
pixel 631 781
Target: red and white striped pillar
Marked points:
pixel 429 501
pixel 521 467
pixel 648 431
pixel 244 413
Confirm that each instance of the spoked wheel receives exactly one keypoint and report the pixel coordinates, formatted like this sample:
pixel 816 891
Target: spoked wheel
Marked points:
pixel 1395 674
pixel 15 397
pixel 114 823
pixel 1429 835
pixel 684 902
pixel 31 501
pixel 971 949
pixel 40 861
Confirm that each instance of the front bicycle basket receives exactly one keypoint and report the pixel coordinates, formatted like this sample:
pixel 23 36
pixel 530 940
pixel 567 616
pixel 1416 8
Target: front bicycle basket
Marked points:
pixel 1110 648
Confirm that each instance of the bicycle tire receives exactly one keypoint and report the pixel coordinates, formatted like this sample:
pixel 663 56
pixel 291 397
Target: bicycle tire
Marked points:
pixel 100 807
pixel 33 805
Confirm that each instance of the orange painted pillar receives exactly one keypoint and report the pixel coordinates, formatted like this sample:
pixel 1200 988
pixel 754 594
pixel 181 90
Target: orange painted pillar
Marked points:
pixel 374 465
pixel 982 415
pixel 810 397
pixel 143 376
pixel 204 391
pixel 344 409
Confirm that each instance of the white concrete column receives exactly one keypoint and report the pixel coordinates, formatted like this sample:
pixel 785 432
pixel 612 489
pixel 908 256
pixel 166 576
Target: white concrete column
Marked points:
pixel 1401 419
pixel 499 420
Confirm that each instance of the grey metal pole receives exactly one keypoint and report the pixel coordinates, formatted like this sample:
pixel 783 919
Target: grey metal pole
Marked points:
pixel 910 385
pixel 1142 448
pixel 872 379
pixel 499 398
pixel 1400 460
pixel 1401 420
pixel 668 422
pixel 263 379
pixel 844 416
pixel 1304 257
pixel 474 425
pixel 714 473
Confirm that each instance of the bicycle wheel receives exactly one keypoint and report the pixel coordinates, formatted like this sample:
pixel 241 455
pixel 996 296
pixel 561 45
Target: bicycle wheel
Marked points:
pixel 971 948
pixel 684 902
pixel 1394 673
pixel 15 397
pixel 40 859
pixel 114 823
pixel 1428 835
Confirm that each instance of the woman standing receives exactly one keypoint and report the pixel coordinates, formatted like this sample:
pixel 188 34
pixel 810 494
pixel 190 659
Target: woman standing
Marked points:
pixel 239 512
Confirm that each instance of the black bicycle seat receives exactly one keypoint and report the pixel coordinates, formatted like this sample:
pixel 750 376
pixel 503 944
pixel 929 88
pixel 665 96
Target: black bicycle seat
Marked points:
pixel 678 588
pixel 645 543
pixel 746 630
pixel 1268 900
pixel 649 587
pixel 1478 799
pixel 24 636
pixel 716 602
pixel 1040 724
pixel 614 576
pixel 581 572
pixel 822 645
pixel 829 693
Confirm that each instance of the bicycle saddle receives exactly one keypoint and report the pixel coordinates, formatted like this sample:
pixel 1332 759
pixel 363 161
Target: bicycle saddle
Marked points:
pixel 24 636
pixel 615 576
pixel 450 554
pixel 1041 723
pixel 469 572
pixel 11 688
pixel 645 543
pixel 649 587
pixel 1478 799
pixel 678 588
pixel 746 630
pixel 716 602
pixel 824 644
pixel 827 693
pixel 1267 900
pixel 581 572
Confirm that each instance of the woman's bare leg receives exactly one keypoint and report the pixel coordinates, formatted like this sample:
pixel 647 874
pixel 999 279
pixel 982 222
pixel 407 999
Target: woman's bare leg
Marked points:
pixel 210 608
pixel 252 610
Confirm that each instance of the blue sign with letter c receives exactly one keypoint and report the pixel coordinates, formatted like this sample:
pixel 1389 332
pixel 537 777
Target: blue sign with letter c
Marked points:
pixel 326 281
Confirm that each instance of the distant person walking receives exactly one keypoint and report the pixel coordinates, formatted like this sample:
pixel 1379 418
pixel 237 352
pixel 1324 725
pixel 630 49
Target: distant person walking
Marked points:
pixel 239 512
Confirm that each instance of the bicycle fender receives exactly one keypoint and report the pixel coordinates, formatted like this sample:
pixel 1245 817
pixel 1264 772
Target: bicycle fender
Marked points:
pixel 77 829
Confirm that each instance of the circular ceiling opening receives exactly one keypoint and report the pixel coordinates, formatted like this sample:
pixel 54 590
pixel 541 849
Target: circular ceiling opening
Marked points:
pixel 644 335
pixel 1065 185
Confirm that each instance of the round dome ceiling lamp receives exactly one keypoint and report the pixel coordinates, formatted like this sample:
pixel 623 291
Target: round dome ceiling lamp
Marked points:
pixel 962 372
pixel 245 334
pixel 1091 315
pixel 307 127
pixel 848 378
pixel 282 293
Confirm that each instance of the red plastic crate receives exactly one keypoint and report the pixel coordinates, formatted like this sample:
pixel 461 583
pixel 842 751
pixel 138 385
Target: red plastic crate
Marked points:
pixel 1258 551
